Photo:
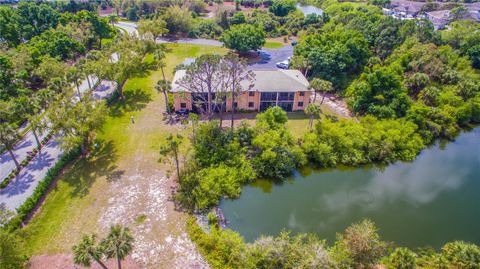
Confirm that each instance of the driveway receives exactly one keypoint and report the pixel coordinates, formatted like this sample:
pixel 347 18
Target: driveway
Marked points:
pixel 25 183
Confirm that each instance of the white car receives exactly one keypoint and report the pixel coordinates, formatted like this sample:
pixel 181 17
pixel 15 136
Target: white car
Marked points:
pixel 283 64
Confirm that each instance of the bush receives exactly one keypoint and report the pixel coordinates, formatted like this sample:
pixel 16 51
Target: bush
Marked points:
pixel 462 255
pixel 402 258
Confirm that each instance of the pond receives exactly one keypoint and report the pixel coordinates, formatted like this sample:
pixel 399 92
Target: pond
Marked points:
pixel 428 202
pixel 308 9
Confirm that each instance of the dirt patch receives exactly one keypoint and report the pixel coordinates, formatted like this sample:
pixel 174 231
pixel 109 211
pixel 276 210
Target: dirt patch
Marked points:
pixel 64 261
pixel 335 104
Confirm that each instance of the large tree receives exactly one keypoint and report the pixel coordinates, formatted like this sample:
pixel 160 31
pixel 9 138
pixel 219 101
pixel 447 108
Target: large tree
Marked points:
pixel 76 120
pixel 152 28
pixel 203 80
pixel 118 244
pixel 243 38
pixel 282 7
pixel 124 59
pixel 235 72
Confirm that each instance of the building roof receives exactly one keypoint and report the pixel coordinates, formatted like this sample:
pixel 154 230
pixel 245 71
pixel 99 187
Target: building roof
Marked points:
pixel 265 81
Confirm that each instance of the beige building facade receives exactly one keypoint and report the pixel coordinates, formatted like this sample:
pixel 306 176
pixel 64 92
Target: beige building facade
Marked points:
pixel 288 89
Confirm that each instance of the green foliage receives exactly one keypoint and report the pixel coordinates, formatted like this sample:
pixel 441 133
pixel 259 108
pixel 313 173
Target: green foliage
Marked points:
pixel 55 44
pixel 462 255
pixel 243 38
pixel 282 7
pixel 370 140
pixel 363 244
pixel 10 251
pixel 178 20
pixel 402 258
pixel 378 92
pixel 334 56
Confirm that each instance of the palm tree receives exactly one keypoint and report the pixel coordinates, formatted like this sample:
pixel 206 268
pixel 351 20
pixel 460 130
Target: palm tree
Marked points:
pixel 164 86
pixel 37 127
pixel 8 138
pixel 312 110
pixel 118 243
pixel 159 56
pixel 87 251
pixel 112 19
pixel 74 76
pixel 320 86
pixel 170 149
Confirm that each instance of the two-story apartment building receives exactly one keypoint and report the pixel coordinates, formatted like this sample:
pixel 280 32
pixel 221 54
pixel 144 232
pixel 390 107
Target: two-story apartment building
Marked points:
pixel 288 89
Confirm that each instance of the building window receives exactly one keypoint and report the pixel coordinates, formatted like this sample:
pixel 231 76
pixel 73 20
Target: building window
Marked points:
pixel 183 105
pixel 302 93
pixel 251 104
pixel 300 104
pixel 251 93
pixel 286 96
pixel 235 104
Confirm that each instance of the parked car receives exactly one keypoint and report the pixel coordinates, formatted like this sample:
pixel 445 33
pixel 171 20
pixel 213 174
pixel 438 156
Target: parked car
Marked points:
pixel 284 64
pixel 294 43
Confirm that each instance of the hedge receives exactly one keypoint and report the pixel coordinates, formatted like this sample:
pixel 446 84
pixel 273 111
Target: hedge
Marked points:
pixel 27 207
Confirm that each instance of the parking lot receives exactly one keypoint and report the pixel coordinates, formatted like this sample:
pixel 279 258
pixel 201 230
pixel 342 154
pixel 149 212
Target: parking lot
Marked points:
pixel 269 57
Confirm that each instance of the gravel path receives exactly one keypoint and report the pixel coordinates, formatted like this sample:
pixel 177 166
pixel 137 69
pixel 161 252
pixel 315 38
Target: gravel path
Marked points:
pixel 25 183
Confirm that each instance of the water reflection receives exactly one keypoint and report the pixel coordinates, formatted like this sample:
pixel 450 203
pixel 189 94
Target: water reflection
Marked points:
pixel 412 203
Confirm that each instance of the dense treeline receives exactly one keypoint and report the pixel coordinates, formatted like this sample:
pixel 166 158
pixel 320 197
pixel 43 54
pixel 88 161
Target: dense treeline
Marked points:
pixel 38 48
pixel 359 246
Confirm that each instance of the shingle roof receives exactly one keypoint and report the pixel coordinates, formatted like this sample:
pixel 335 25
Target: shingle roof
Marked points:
pixel 265 81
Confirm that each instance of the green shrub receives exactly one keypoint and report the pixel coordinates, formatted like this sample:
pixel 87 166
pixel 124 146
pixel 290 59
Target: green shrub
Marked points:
pixel 402 258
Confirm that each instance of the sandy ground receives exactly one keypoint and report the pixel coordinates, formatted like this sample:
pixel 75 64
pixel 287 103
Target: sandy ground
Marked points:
pixel 141 197
pixel 64 261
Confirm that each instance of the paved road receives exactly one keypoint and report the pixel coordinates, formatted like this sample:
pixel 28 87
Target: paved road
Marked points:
pixel 130 27
pixel 20 151
pixel 25 183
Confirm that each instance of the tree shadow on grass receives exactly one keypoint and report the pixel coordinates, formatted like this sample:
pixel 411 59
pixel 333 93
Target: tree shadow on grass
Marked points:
pixel 134 100
pixel 101 162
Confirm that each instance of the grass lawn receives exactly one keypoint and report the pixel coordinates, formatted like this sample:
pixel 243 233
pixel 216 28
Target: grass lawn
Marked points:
pixel 75 204
pixel 273 45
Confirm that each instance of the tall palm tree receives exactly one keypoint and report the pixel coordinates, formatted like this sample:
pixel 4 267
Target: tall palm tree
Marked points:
pixel 8 138
pixel 118 243
pixel 87 251
pixel 159 56
pixel 164 86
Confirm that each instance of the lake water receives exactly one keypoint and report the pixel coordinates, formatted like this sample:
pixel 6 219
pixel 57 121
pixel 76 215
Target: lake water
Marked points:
pixel 428 202
pixel 307 9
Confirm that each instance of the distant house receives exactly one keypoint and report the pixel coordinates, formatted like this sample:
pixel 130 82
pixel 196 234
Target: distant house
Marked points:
pixel 439 18
pixel 288 89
